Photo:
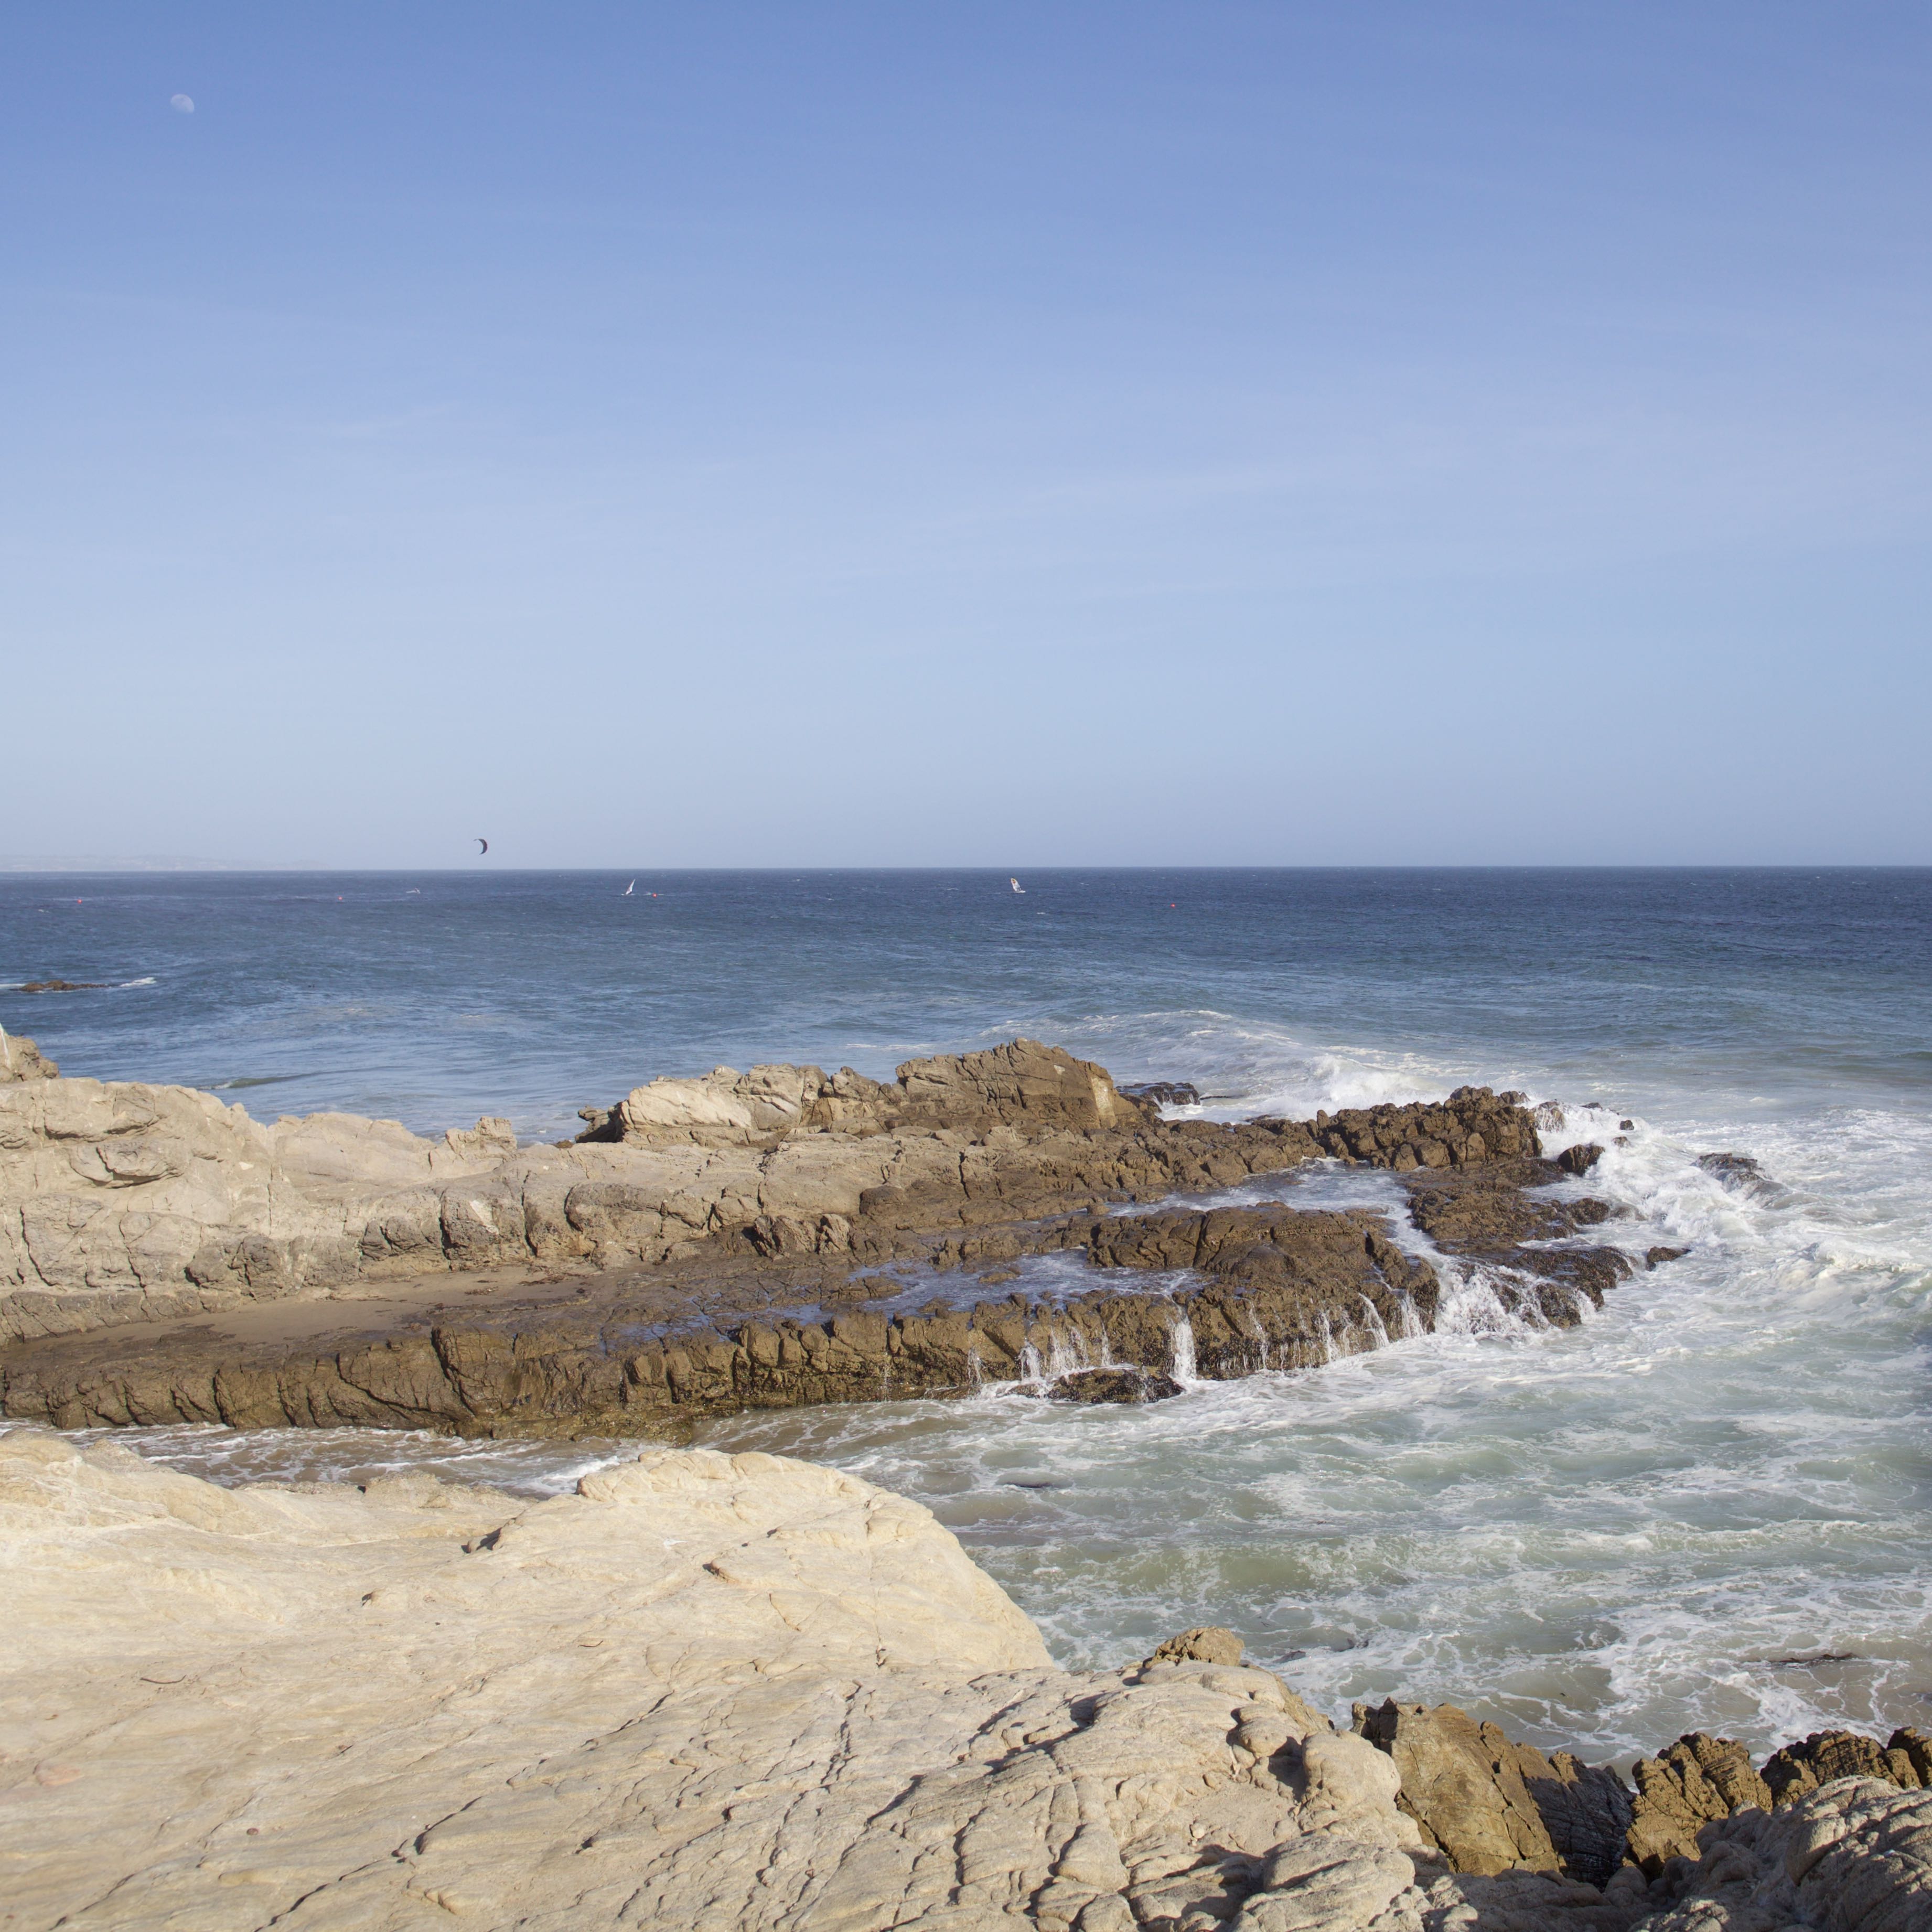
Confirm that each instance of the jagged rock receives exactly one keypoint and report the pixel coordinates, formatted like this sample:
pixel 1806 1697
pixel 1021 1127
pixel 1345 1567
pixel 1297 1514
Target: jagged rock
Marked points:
pixel 1579 1159
pixel 1111 1385
pixel 1206 1643
pixel 1655 1257
pixel 1303 1286
pixel 58 986
pixel 1022 1085
pixel 750 1231
pixel 1462 1784
pixel 1855 1856
pixel 1493 1805
pixel 21 1060
pixel 1825 1755
pixel 1473 1125
pixel 214 1208
pixel 1490 1213
pixel 1697 1780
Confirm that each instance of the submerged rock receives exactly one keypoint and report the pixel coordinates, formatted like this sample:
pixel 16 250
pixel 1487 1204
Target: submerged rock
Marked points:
pixel 1119 1385
pixel 1164 1093
pixel 1742 1175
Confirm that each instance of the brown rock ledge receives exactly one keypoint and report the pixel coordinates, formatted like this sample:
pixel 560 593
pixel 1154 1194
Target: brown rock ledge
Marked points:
pixel 798 1192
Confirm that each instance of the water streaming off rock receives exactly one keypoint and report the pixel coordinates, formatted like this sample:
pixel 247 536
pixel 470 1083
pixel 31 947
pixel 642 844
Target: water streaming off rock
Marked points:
pixel 1710 1505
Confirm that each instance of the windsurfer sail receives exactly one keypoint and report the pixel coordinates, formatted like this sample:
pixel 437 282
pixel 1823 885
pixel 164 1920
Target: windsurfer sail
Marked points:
pixel 628 890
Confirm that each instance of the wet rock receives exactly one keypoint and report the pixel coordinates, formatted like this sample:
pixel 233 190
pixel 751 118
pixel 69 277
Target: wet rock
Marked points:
pixel 1295 1287
pixel 682 1246
pixel 58 986
pixel 1492 1213
pixel 1742 1175
pixel 1116 1385
pixel 1579 1159
pixel 1164 1093
pixel 1473 1125
pixel 1655 1257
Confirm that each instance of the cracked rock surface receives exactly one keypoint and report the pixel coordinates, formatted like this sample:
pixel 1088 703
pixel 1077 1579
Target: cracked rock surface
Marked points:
pixel 729 1692
pixel 707 1690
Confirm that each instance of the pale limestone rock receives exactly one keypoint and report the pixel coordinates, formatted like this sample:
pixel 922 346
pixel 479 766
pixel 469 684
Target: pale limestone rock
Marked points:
pixel 20 1059
pixel 126 1202
pixel 712 1691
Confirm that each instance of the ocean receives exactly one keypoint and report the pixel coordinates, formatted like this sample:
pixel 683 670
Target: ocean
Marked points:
pixel 1710 1507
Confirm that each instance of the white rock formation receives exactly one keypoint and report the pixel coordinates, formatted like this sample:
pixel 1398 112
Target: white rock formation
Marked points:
pixel 127 1202
pixel 722 1692
pixel 707 1691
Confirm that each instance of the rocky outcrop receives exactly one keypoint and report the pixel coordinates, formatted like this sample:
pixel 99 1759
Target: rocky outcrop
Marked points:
pixel 124 1201
pixel 1113 1385
pixel 726 1692
pixel 1695 1782
pixel 129 1202
pixel 1503 1214
pixel 733 1692
pixel 1022 1084
pixel 1490 1804
pixel 725 1244
pixel 768 1308
pixel 20 1060
pixel 1854 1855
pixel 1472 1127
pixel 1905 1759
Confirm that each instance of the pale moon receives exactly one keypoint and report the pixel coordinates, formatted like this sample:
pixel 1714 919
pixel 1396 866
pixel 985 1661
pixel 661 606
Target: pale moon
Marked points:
pixel 181 103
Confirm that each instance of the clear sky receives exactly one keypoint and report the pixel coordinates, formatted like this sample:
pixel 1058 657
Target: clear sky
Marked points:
pixel 958 433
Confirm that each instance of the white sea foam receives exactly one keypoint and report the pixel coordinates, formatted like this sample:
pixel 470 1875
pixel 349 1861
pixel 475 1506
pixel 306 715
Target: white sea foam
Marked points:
pixel 1599 1537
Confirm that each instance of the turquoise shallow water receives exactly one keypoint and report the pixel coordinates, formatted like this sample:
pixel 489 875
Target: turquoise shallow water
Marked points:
pixel 1600 1537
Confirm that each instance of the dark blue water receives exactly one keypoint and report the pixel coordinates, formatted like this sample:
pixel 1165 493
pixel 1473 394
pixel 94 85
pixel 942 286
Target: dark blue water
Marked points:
pixel 434 997
pixel 1599 1536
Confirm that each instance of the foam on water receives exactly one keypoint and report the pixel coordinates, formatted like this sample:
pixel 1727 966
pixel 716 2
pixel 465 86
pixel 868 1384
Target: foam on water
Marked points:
pixel 1674 1515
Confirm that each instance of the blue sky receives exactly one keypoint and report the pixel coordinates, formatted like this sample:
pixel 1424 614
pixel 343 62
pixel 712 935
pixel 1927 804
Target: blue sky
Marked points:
pixel 1002 434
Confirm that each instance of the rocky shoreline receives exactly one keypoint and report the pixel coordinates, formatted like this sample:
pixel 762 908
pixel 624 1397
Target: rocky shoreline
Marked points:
pixel 737 1691
pixel 742 1692
pixel 713 1245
